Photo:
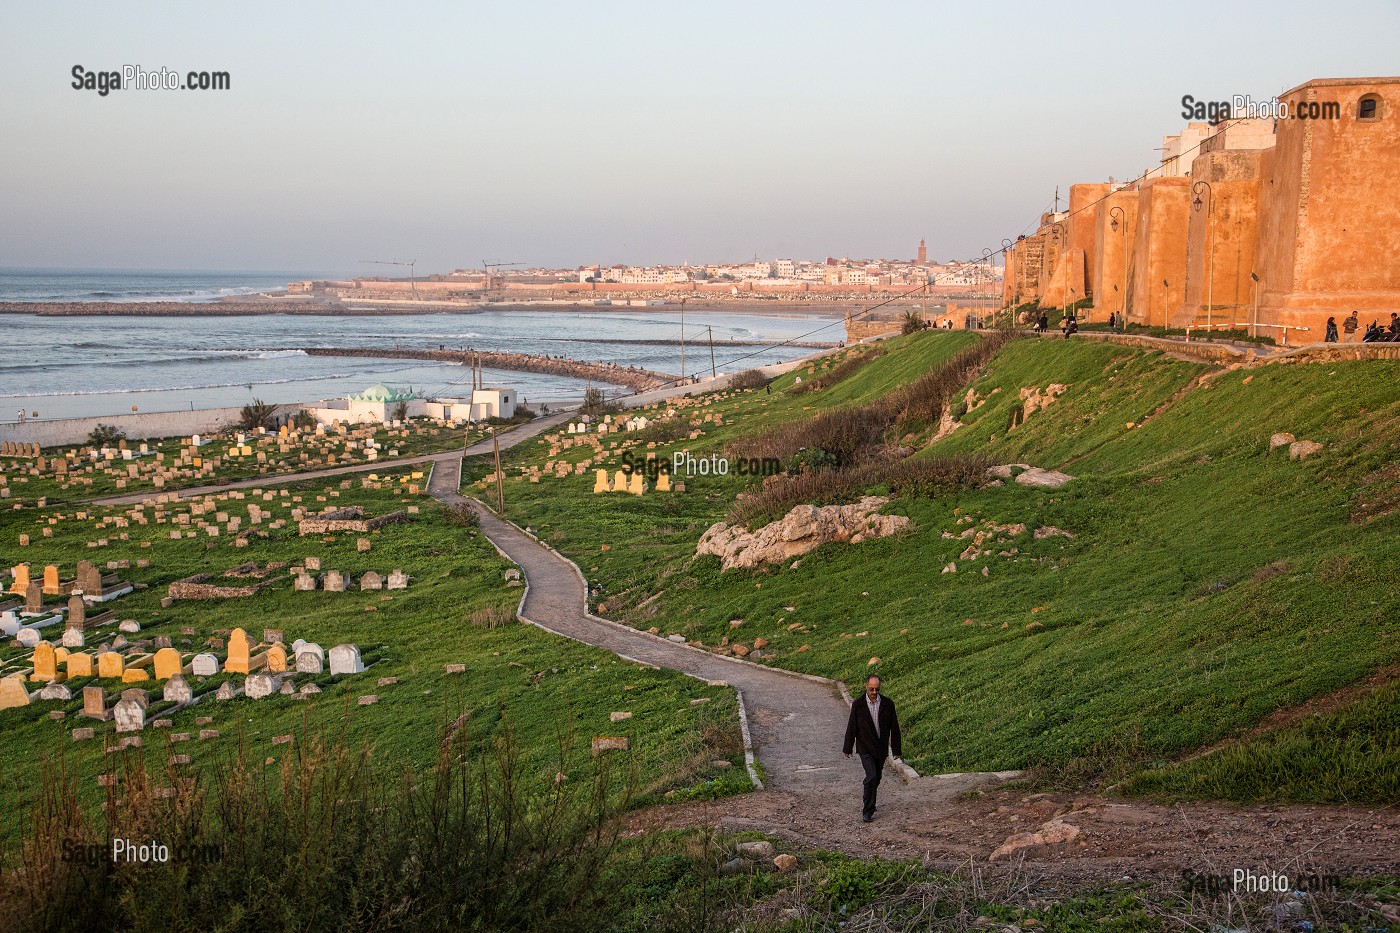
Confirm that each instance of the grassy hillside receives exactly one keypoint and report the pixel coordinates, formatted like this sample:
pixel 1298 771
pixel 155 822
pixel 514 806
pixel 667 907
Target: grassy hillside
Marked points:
pixel 1209 580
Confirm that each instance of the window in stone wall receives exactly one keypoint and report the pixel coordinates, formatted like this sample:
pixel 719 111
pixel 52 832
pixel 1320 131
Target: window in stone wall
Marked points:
pixel 1369 108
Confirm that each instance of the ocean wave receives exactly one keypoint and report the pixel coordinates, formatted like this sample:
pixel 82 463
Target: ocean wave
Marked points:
pixel 189 388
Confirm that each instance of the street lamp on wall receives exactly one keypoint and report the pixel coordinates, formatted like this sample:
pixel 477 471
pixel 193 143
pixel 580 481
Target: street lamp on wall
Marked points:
pixel 1210 243
pixel 1115 215
pixel 1058 229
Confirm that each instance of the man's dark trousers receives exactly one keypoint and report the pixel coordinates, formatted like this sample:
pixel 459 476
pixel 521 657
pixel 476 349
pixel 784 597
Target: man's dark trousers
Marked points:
pixel 873 769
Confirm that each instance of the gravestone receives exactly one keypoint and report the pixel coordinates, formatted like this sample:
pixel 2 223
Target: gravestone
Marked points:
pixel 277 659
pixel 362 545
pixel 51 584
pixel 45 665
pixel 225 691
pixel 129 715
pixel 55 692
pixel 28 637
pixel 78 664
pixel 313 563
pixel 345 659
pixel 167 664
pixel 334 582
pixel 89 579
pixel 13 693
pixel 72 638
pixel 33 598
pixel 304 582
pixel 258 686
pixel 204 665
pixel 371 581
pixel 19 579
pixel 110 664
pixel 310 659
pixel 77 612
pixel 239 645
pixel 178 690
pixel 398 580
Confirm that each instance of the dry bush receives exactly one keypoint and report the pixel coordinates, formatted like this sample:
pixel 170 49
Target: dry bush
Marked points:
pixel 854 434
pixel 838 372
pixel 748 379
pixel 492 616
pixel 921 476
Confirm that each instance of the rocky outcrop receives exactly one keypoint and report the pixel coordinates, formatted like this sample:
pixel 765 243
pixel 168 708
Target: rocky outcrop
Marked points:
pixel 1055 832
pixel 804 529
pixel 1033 399
pixel 1031 476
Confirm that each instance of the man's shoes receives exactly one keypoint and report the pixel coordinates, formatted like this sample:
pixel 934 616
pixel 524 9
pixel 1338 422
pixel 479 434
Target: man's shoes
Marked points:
pixel 866 818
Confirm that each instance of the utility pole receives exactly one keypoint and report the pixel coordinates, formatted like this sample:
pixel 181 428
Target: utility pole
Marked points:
pixel 500 484
pixel 683 339
pixel 710 332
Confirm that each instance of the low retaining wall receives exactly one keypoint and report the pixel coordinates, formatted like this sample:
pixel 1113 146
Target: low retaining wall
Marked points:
pixel 1212 352
pixel 137 427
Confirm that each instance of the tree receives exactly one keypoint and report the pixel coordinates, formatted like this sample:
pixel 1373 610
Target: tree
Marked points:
pixel 254 416
pixel 304 420
pixel 912 323
pixel 105 435
pixel 401 411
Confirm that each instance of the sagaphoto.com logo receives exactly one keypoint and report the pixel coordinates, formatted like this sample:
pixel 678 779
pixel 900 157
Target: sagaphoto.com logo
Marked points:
pixel 136 78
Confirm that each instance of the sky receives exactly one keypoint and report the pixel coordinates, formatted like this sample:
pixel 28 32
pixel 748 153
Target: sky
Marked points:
pixel 562 134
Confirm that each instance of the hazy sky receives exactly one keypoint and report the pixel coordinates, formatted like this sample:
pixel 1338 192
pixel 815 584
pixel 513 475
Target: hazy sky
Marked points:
pixel 564 133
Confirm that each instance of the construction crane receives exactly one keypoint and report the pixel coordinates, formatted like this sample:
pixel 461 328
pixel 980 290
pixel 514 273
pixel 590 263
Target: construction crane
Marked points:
pixel 413 282
pixel 486 268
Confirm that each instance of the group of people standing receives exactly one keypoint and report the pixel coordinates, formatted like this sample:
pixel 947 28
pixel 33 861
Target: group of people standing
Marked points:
pixel 1373 333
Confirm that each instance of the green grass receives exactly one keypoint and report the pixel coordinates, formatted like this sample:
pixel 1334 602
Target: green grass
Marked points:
pixel 1349 755
pixel 1209 581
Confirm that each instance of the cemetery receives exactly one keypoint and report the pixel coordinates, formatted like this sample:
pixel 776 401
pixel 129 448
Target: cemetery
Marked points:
pixel 33 477
pixel 176 629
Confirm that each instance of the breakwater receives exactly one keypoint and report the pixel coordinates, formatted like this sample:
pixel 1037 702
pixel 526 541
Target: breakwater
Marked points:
pixel 631 377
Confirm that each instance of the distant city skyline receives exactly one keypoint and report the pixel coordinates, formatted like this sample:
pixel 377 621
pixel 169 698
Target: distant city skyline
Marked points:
pixel 626 134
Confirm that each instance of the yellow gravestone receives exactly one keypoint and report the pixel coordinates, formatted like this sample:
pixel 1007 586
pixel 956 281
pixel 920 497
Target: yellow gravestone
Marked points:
pixel 277 659
pixel 13 693
pixel 600 484
pixel 238 647
pixel 167 663
pixel 78 664
pixel 134 675
pixel 110 664
pixel 45 668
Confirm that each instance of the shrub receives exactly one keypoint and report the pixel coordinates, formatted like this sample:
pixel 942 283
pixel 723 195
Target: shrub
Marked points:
pixel 854 434
pixel 748 379
pixel 324 839
pixel 911 323
pixel 105 435
pixel 304 420
pixel 462 515
pixel 400 412
pixel 255 415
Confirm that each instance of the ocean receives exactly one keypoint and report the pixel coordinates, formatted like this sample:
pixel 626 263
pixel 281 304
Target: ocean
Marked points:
pixel 92 366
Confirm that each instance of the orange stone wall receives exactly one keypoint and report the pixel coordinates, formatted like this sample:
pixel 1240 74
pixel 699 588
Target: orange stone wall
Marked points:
pixel 1224 264
pixel 1113 251
pixel 1159 250
pixel 1330 211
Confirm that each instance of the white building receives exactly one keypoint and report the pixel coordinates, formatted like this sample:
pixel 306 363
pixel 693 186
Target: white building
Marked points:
pixel 382 404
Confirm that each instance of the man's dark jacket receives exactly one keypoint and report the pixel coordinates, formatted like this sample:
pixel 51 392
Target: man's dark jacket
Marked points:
pixel 860 730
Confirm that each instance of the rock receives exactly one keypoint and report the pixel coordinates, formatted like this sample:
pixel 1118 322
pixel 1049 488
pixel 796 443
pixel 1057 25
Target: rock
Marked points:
pixel 1280 440
pixel 762 849
pixel 802 530
pixel 785 862
pixel 739 650
pixel 129 626
pixel 1300 450
pixel 1046 479
pixel 951 568
pixel 678 639
pixel 1050 531
pixel 1052 833
pixel 55 692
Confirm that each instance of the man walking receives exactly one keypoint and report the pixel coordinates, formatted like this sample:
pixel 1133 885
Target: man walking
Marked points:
pixel 873 731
